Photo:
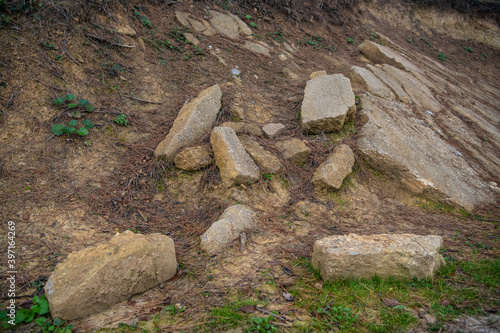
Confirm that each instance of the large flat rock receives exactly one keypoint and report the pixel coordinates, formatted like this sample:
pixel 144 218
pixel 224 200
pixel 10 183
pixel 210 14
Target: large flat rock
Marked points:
pixel 194 120
pixel 366 80
pixel 407 151
pixel 228 228
pixel 92 280
pixel 328 102
pixel 402 256
pixel 235 165
pixel 228 25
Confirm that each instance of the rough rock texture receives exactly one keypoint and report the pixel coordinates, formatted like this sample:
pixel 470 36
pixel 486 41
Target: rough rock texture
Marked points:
pixel 199 26
pixel 191 38
pixel 193 159
pixel 380 54
pixel 257 48
pixel 391 82
pixel 366 80
pixel 272 130
pixel 94 279
pixel 126 30
pixel 194 120
pixel 406 150
pixel 244 128
pixel 235 165
pixel 228 25
pixel 400 256
pixel 228 228
pixel 331 173
pixel 294 150
pixel 328 101
pixel 266 160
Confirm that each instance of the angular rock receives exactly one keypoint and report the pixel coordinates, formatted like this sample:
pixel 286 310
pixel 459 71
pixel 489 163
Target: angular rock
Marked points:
pixel 194 120
pixel 316 74
pixel 380 54
pixel 241 25
pixel 235 220
pixel 391 82
pixel 126 30
pixel 401 256
pixel 191 38
pixel 400 146
pixel 273 129
pixel 235 165
pixel 328 102
pixel 225 24
pixel 366 80
pixel 182 18
pixel 244 128
pixel 257 48
pixel 294 150
pixel 331 173
pixel 193 159
pixel 94 279
pixel 267 161
pixel 201 27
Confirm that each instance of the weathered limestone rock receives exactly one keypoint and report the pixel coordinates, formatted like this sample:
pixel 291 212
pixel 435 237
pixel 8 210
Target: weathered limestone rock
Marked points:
pixel 241 25
pixel 266 160
pixel 235 220
pixel 400 256
pixel 199 26
pixel 331 173
pixel 413 155
pixel 191 38
pixel 227 25
pixel 273 129
pixel 126 30
pixel 193 159
pixel 316 74
pixel 194 120
pixel 244 128
pixel 294 150
pixel 380 54
pixel 257 48
pixel 94 279
pixel 366 80
pixel 328 101
pixel 235 165
pixel 391 82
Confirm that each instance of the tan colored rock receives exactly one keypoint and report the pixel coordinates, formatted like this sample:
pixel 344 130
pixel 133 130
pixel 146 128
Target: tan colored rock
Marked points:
pixel 243 27
pixel 316 74
pixel 364 79
pixel 294 150
pixel 244 128
pixel 126 30
pixel 224 24
pixel 235 220
pixel 257 48
pixel 182 18
pixel 380 54
pixel 94 279
pixel 328 102
pixel 267 161
pixel 194 120
pixel 401 256
pixel 191 38
pixel 416 158
pixel 273 129
pixel 331 173
pixel 193 159
pixel 235 165
pixel 391 82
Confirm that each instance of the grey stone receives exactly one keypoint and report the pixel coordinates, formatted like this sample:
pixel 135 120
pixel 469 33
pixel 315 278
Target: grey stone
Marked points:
pixel 235 165
pixel 328 102
pixel 225 24
pixel 267 161
pixel 194 120
pixel 365 79
pixel 272 130
pixel 94 279
pixel 401 256
pixel 398 145
pixel 331 173
pixel 235 220
pixel 193 159
pixel 294 150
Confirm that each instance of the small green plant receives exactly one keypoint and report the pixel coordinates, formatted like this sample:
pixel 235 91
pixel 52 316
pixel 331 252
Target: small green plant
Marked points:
pixel 68 100
pixel 485 55
pixel 468 49
pixel 343 317
pixel 268 176
pixel 121 120
pixel 442 57
pixel 146 22
pixel 60 129
pixel 249 17
pixel 4 20
pixel 48 46
pixel 59 57
pixel 173 309
pixel 351 40
pixel 262 325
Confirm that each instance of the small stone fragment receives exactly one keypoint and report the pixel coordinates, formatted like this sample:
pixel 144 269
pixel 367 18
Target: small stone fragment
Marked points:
pixel 272 130
pixel 331 173
pixel 193 159
pixel 126 30
pixel 294 150
pixel 266 160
